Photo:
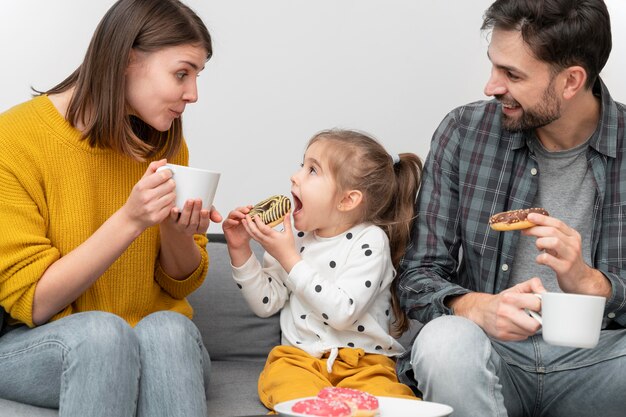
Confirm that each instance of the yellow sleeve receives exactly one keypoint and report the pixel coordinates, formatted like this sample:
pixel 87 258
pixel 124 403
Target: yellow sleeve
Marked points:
pixel 180 289
pixel 25 250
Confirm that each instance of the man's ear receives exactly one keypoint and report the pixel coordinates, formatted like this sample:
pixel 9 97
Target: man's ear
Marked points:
pixel 351 200
pixel 575 79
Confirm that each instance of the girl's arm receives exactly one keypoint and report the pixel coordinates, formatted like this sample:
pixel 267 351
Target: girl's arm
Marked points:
pixel 262 286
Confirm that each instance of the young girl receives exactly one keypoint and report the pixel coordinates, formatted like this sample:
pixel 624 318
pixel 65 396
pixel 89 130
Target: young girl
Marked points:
pixel 353 206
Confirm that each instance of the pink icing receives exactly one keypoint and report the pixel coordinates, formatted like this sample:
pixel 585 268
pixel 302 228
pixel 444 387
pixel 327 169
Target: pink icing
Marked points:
pixel 322 408
pixel 361 400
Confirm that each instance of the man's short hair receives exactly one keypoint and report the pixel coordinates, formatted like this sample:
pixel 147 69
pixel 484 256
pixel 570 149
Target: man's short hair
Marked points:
pixel 561 33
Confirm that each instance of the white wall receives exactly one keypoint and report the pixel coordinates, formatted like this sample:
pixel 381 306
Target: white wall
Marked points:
pixel 285 69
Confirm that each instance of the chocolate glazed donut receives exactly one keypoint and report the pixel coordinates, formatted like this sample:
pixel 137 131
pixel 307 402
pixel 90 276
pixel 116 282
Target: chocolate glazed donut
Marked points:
pixel 272 210
pixel 514 219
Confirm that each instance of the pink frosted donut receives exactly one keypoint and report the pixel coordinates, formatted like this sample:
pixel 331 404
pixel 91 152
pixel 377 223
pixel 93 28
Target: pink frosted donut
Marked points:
pixel 322 408
pixel 364 404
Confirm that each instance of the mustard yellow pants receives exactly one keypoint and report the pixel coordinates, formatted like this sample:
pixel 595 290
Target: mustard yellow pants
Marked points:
pixel 292 373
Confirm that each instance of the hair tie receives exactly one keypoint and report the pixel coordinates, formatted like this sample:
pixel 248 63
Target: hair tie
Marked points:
pixel 396 159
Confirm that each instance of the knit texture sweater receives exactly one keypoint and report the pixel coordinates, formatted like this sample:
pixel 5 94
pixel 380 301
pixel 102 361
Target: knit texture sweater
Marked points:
pixel 55 192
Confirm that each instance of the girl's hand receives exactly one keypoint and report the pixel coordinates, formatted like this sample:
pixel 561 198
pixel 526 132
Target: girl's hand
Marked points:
pixel 152 198
pixel 237 238
pixel 281 245
pixel 234 231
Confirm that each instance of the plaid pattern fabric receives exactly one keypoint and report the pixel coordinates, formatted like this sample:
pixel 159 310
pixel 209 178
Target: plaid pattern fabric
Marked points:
pixel 474 169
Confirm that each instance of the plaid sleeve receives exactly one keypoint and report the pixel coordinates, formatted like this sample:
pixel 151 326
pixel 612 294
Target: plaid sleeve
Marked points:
pixel 429 267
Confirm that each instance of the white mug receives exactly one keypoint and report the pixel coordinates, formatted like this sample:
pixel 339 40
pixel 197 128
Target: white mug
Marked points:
pixel 193 183
pixel 573 320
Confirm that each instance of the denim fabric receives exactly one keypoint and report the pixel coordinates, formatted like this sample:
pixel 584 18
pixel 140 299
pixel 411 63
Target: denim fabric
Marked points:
pixel 455 363
pixel 94 364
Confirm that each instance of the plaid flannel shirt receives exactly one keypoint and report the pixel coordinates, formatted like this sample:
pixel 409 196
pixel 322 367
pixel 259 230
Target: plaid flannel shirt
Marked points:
pixel 474 169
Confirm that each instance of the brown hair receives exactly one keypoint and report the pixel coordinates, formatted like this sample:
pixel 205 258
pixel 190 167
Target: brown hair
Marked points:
pixel 561 33
pixel 389 189
pixel 99 100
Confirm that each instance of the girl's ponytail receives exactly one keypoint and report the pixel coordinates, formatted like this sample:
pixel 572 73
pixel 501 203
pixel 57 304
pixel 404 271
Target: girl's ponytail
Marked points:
pixel 399 218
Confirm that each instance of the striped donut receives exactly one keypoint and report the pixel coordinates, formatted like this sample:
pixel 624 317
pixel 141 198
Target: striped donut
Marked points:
pixel 272 210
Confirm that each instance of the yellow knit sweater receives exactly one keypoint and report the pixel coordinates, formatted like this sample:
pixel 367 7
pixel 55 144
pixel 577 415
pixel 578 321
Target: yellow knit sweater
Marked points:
pixel 55 191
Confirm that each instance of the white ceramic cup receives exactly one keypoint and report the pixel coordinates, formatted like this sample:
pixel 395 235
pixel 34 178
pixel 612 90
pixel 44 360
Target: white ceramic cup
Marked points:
pixel 571 320
pixel 193 183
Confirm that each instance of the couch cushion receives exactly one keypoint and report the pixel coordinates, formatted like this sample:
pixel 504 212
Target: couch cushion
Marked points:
pixel 230 330
pixel 233 389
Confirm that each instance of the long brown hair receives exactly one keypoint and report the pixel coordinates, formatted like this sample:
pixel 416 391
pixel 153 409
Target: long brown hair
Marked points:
pixel 389 189
pixel 99 101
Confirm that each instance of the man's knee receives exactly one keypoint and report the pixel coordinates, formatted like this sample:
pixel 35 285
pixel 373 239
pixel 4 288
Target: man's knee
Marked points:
pixel 449 342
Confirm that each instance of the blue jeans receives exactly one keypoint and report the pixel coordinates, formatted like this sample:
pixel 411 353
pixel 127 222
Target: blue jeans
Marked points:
pixel 456 363
pixel 95 364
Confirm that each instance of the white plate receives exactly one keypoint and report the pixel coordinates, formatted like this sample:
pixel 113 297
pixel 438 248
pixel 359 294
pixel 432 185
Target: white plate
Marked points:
pixel 389 407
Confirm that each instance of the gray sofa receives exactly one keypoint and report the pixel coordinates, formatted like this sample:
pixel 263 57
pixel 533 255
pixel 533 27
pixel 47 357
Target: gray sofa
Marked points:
pixel 237 340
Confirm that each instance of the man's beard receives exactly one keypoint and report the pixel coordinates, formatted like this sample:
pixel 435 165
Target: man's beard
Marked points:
pixel 544 113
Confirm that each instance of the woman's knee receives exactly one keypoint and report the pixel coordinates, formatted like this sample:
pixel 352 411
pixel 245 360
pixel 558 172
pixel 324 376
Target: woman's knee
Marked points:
pixel 167 326
pixel 167 333
pixel 102 334
pixel 170 337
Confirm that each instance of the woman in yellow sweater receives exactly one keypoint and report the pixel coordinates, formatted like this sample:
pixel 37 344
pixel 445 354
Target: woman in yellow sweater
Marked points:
pixel 95 260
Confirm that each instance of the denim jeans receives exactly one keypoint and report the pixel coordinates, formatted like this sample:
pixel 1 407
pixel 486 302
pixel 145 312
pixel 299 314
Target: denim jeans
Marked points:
pixel 456 363
pixel 95 364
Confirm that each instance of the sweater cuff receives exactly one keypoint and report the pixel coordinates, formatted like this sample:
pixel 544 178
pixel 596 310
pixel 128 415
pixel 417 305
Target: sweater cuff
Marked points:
pixel 249 269
pixel 180 288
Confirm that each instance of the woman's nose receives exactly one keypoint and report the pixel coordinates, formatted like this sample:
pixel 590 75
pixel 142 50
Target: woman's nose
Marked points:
pixel 191 93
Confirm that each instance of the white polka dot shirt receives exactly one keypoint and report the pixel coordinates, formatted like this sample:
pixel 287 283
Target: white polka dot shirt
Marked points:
pixel 337 296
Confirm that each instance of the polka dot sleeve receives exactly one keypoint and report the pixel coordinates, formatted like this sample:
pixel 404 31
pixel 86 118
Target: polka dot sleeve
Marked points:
pixel 262 288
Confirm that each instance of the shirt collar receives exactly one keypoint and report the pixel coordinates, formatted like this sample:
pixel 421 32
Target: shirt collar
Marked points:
pixel 604 139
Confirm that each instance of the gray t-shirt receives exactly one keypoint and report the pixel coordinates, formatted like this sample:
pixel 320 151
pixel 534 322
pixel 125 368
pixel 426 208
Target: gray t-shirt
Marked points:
pixel 567 191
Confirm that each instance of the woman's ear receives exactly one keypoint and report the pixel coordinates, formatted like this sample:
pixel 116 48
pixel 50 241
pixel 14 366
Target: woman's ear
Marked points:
pixel 351 200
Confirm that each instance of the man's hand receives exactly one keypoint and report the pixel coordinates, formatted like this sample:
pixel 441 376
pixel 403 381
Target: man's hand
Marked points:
pixel 561 248
pixel 502 315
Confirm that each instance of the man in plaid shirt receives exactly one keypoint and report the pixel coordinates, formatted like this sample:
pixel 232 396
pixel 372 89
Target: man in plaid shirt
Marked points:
pixel 552 137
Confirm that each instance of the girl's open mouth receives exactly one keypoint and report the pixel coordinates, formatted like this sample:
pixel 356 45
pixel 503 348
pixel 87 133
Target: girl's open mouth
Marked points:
pixel 297 204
